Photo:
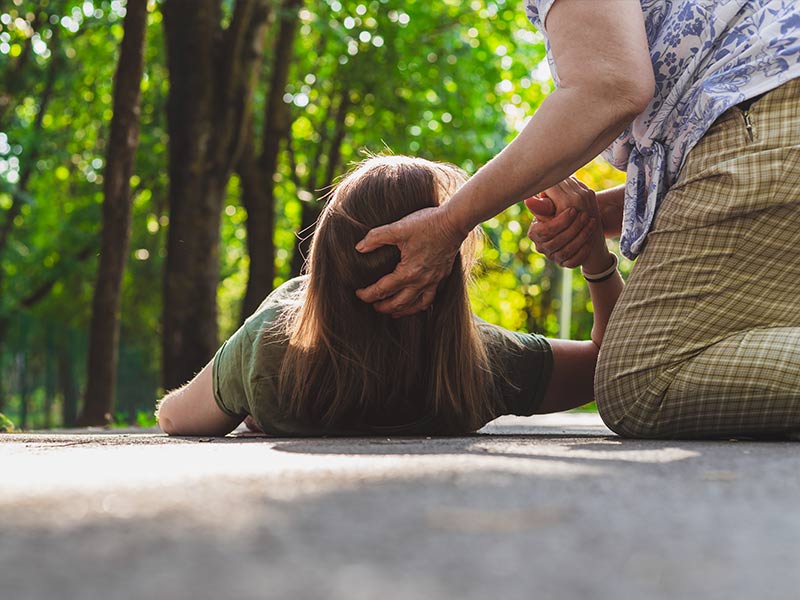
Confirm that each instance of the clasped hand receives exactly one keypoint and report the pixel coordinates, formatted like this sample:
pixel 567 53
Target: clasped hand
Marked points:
pixel 567 226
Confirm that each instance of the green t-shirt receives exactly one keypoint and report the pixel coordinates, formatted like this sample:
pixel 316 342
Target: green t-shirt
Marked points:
pixel 246 371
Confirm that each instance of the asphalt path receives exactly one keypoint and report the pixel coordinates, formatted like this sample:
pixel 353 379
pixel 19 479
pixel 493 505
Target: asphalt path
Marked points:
pixel 548 507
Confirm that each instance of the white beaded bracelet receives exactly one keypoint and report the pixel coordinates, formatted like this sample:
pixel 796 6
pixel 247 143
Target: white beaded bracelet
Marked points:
pixel 602 276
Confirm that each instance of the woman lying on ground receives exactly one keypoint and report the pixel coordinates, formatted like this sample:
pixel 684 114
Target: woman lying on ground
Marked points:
pixel 315 360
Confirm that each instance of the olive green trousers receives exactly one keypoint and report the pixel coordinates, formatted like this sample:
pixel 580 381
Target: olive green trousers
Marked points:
pixel 705 340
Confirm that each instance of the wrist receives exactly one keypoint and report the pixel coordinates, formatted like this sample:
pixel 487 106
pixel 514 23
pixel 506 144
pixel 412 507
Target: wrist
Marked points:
pixel 599 263
pixel 604 275
pixel 599 259
pixel 457 220
pixel 610 204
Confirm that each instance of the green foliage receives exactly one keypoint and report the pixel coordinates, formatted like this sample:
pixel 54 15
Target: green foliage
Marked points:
pixel 146 419
pixel 446 80
pixel 6 426
pixel 60 216
pixel 143 419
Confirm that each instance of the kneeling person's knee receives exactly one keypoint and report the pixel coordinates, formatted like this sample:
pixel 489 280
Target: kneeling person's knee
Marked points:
pixel 624 402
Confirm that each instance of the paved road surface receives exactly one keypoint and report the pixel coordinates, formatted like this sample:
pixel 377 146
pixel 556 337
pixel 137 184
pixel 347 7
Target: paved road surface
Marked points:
pixel 549 507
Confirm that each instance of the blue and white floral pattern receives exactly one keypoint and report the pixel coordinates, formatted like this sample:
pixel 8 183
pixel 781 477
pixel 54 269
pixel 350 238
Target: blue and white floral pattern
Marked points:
pixel 708 55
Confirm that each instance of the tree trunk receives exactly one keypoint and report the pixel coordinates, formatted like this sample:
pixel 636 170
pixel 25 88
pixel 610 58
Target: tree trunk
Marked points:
pixel 259 202
pixel 122 145
pixel 50 381
pixel 67 384
pixel 22 371
pixel 4 324
pixel 191 275
pixel 258 186
pixel 212 72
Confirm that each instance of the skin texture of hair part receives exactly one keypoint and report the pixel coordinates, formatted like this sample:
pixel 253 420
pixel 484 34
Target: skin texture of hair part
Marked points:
pixel 349 367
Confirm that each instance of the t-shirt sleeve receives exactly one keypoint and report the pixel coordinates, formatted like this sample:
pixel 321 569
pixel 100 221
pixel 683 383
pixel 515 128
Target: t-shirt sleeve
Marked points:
pixel 231 373
pixel 523 364
pixel 245 361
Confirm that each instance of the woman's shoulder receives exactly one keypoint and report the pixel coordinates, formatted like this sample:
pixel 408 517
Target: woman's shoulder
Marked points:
pixel 276 306
pixel 499 338
pixel 289 293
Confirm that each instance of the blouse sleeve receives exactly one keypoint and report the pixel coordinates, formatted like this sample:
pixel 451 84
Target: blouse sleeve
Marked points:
pixel 537 11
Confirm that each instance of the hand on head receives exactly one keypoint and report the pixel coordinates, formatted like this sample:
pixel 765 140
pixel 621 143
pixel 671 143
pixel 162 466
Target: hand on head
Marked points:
pixel 428 244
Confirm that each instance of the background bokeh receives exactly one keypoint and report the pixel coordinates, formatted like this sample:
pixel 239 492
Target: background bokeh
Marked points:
pixel 447 80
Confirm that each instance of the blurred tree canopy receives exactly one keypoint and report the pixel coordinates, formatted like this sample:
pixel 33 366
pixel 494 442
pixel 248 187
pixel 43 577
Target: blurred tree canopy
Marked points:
pixel 316 83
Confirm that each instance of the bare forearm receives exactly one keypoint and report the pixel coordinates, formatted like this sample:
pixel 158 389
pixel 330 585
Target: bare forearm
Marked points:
pixel 574 362
pixel 611 202
pixel 604 297
pixel 192 409
pixel 550 148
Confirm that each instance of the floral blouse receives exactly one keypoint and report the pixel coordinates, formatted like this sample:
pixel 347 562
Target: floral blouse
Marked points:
pixel 708 55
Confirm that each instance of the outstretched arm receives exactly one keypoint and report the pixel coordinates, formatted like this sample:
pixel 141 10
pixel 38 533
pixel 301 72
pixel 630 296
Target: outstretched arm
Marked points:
pixel 572 381
pixel 192 409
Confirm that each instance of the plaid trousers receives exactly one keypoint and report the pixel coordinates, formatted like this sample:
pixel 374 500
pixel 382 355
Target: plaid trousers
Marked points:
pixel 705 340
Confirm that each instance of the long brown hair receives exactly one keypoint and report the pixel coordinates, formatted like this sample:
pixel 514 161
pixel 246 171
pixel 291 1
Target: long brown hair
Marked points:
pixel 349 367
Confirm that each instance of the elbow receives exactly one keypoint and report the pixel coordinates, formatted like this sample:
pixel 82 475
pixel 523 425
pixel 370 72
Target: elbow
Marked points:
pixel 637 100
pixel 166 425
pixel 620 96
pixel 165 422
pixel 633 94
